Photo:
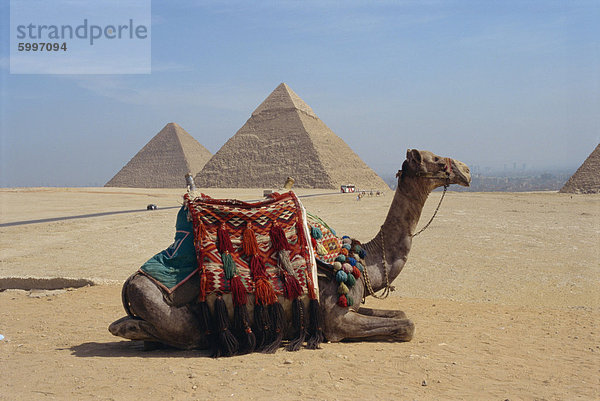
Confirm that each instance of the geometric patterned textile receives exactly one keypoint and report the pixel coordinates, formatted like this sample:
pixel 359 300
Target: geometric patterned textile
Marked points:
pixel 332 245
pixel 283 209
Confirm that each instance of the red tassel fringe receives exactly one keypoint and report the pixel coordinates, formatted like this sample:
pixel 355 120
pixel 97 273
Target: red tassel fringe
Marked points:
pixel 291 287
pixel 249 244
pixel 223 240
pixel 257 268
pixel 278 238
pixel 342 301
pixel 238 291
pixel 265 295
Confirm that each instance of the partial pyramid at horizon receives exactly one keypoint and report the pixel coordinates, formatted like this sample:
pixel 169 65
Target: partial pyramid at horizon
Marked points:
pixel 164 161
pixel 586 179
pixel 285 138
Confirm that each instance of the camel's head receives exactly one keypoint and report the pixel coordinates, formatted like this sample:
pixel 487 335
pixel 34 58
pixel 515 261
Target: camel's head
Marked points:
pixel 437 170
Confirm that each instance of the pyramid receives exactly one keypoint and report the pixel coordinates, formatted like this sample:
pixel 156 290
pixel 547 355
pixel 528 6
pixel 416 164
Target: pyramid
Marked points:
pixel 285 138
pixel 586 179
pixel 164 161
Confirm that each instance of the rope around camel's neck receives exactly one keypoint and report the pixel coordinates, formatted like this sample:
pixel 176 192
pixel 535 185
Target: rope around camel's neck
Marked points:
pixel 390 247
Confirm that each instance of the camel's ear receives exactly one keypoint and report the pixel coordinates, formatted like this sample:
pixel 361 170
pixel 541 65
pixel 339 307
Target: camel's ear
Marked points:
pixel 414 154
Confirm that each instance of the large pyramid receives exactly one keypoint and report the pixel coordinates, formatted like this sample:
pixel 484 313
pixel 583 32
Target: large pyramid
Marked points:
pixel 164 161
pixel 586 179
pixel 285 138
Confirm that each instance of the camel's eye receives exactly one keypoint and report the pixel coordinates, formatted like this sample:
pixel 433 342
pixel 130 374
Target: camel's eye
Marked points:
pixel 437 159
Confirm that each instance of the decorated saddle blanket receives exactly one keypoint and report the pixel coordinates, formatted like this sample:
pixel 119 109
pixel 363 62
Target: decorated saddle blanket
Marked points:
pixel 309 239
pixel 262 245
pixel 176 264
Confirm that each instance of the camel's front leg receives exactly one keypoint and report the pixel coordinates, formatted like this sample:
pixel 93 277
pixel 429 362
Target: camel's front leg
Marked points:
pixel 354 326
pixel 394 314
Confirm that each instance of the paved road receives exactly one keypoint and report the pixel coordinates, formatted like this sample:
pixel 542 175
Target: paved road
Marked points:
pixel 85 216
pixel 80 216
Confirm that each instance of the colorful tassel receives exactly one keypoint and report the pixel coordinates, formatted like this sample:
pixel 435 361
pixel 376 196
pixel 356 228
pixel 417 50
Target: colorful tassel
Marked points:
pixel 228 345
pixel 350 281
pixel 202 314
pixel 356 272
pixel 316 232
pixel 291 287
pixel 313 242
pixel 341 276
pixel 249 244
pixel 257 267
pixel 228 265
pixel 342 289
pixel 223 240
pixel 262 324
pixel 298 325
pixel 264 293
pixel 315 325
pixel 241 327
pixel 278 238
pixel 277 327
pixel 238 291
pixel 342 301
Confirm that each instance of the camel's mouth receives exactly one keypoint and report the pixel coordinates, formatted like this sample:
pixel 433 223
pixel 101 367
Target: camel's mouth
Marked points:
pixel 461 172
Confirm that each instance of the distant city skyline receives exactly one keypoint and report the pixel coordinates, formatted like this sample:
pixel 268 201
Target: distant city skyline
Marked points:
pixel 493 84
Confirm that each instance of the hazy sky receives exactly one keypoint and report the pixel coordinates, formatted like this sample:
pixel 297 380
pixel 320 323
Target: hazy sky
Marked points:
pixel 486 82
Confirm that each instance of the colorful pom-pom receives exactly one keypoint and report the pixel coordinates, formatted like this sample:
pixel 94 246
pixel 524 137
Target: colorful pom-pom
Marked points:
pixel 357 248
pixel 356 272
pixel 340 258
pixel 347 246
pixel 341 276
pixel 347 268
pixel 316 233
pixel 362 253
pixel 347 241
pixel 343 289
pixel 345 237
pixel 360 267
pixel 350 281
pixel 344 252
pixel 342 301
pixel 337 266
pixel 349 300
pixel 352 261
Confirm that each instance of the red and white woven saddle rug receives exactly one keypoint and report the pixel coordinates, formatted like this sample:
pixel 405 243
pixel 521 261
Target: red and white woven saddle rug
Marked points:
pixel 284 210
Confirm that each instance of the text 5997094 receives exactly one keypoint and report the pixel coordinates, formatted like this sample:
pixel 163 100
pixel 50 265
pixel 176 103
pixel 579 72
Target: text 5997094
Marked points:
pixel 42 47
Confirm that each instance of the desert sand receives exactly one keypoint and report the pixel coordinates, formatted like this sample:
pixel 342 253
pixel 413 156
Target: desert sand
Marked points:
pixel 503 289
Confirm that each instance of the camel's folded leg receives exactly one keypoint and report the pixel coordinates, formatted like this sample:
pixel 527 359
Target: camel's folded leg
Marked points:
pixel 133 329
pixel 394 314
pixel 175 326
pixel 353 326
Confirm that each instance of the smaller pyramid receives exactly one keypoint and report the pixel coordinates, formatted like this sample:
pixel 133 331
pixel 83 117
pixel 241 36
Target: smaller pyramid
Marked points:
pixel 586 179
pixel 164 161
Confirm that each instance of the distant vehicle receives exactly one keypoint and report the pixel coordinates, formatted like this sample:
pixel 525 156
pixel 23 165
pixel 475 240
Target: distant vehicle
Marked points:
pixel 151 206
pixel 348 188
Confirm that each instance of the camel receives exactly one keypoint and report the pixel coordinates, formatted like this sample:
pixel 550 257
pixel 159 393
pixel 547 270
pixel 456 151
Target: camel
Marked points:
pixel 157 317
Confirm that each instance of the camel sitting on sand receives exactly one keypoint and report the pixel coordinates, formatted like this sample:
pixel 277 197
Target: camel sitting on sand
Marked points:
pixel 153 319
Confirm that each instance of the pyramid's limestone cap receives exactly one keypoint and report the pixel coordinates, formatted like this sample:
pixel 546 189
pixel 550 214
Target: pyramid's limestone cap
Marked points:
pixel 283 98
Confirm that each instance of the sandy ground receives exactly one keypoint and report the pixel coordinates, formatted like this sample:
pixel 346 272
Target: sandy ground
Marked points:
pixel 503 289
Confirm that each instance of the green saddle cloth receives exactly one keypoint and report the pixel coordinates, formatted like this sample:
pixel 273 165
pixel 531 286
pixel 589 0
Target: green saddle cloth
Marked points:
pixel 177 263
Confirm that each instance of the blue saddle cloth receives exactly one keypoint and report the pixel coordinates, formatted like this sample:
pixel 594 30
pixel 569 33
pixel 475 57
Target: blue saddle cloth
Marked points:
pixel 177 263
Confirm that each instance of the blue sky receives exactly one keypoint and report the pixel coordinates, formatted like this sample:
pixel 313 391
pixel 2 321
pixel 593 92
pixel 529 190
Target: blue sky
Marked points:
pixel 487 82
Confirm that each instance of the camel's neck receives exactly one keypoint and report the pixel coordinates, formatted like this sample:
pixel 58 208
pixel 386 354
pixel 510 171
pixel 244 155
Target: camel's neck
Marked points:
pixel 394 238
